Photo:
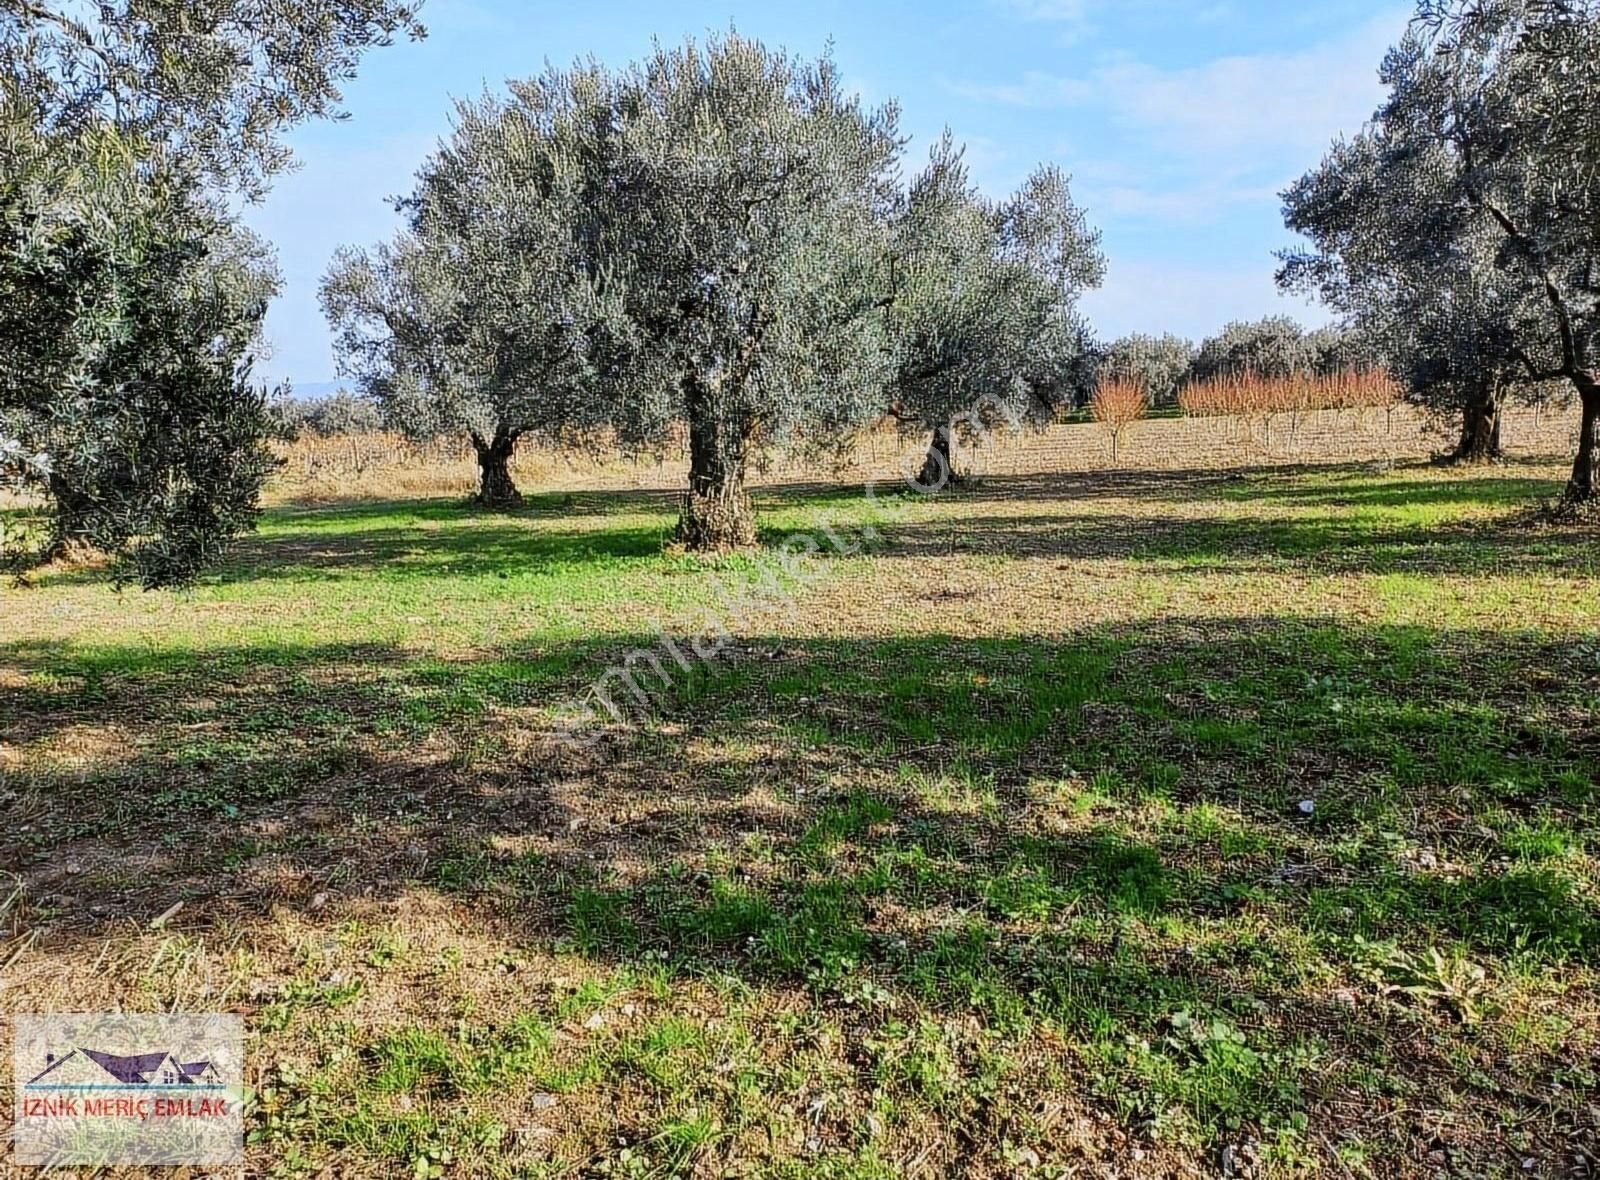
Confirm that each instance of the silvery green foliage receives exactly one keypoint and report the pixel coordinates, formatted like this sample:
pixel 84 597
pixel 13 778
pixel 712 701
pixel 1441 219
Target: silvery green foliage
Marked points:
pixel 398 335
pixel 207 84
pixel 1468 214
pixel 1066 367
pixel 1275 346
pixel 1344 348
pixel 20 471
pixel 983 323
pixel 338 413
pixel 130 299
pixel 129 303
pixel 1408 267
pixel 1159 363
pixel 712 240
pixel 495 312
pixel 750 218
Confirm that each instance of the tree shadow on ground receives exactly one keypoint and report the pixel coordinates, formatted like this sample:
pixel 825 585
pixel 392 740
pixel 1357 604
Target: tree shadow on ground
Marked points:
pixel 1092 833
pixel 426 538
pixel 1511 484
pixel 1249 545
pixel 474 547
pixel 1190 712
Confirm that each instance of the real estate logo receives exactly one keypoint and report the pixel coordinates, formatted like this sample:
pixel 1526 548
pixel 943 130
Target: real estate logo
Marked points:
pixel 128 1089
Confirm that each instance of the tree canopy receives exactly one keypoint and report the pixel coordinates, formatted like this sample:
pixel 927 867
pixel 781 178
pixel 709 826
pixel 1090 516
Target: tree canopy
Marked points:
pixel 751 215
pixel 131 300
pixel 205 84
pixel 983 314
pixel 713 240
pixel 494 312
pixel 129 305
pixel 1157 363
pixel 1275 346
pixel 1464 224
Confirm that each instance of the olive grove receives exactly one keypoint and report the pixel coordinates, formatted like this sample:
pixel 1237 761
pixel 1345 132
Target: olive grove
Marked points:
pixel 713 241
pixel 1159 364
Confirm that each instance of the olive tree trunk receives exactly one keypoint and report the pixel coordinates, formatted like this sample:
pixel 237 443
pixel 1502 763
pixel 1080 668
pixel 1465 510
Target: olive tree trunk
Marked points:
pixel 1586 467
pixel 72 528
pixel 716 514
pixel 938 469
pixel 1480 428
pixel 497 489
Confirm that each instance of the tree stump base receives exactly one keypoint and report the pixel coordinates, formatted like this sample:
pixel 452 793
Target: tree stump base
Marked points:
pixel 718 522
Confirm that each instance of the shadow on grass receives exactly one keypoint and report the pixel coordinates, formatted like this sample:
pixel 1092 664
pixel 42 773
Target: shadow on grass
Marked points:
pixel 1480 491
pixel 1386 727
pixel 431 537
pixel 1092 834
pixel 1248 545
pixel 425 538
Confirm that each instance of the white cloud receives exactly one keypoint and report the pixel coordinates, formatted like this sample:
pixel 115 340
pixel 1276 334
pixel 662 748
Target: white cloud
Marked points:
pixel 1167 191
pixel 1278 103
pixel 1191 204
pixel 1034 89
pixel 1071 21
pixel 1195 143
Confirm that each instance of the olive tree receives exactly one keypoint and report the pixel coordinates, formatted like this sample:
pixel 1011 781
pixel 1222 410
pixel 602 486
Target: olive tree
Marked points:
pixel 1514 88
pixel 1158 363
pixel 130 299
pixel 338 413
pixel 749 235
pixel 208 84
pixel 983 321
pixel 494 312
pixel 1345 348
pixel 129 308
pixel 1275 346
pixel 1414 272
pixel 1486 175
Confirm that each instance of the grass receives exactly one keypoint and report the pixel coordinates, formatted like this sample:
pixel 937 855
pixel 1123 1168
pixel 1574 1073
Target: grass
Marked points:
pixel 1082 822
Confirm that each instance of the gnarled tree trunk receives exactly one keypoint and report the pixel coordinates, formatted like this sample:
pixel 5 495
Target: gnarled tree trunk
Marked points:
pixel 716 514
pixel 497 490
pixel 1586 468
pixel 938 469
pixel 72 529
pixel 1480 428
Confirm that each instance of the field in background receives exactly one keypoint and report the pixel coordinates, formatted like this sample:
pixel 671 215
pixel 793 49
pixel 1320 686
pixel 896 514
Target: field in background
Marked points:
pixel 360 466
pixel 1196 817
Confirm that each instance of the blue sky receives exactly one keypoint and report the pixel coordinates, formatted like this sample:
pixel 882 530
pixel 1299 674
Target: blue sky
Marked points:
pixel 1179 121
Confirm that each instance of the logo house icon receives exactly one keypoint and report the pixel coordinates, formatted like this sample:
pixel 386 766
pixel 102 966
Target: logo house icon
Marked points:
pixel 90 1069
pixel 152 1089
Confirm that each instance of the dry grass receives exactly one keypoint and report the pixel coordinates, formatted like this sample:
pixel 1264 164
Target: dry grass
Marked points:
pixel 982 857
pixel 329 471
